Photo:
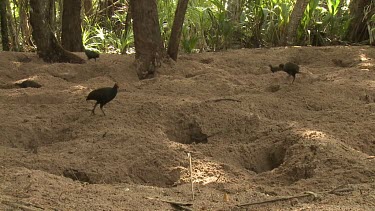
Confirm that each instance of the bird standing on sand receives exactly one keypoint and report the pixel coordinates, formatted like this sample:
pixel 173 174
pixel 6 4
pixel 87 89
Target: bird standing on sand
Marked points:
pixel 91 54
pixel 102 96
pixel 289 67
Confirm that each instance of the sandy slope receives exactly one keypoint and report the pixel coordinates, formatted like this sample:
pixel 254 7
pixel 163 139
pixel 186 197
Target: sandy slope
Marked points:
pixel 267 138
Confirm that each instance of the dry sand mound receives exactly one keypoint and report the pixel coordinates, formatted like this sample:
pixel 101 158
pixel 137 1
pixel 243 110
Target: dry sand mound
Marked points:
pixel 252 135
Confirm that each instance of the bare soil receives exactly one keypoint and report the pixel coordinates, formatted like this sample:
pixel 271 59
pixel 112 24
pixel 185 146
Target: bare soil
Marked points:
pixel 252 135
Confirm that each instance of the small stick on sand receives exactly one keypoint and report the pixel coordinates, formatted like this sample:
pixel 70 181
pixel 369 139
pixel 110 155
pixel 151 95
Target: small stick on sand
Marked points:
pixel 309 193
pixel 191 175
pixel 337 191
pixel 180 205
pixel 224 99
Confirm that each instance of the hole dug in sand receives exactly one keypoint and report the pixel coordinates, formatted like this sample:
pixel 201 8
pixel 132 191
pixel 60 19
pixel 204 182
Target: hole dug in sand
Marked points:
pixel 258 158
pixel 188 132
pixel 76 175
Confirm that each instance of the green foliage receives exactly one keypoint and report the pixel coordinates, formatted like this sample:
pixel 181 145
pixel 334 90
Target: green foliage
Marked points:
pixel 109 34
pixel 210 25
pixel 323 22
pixel 264 22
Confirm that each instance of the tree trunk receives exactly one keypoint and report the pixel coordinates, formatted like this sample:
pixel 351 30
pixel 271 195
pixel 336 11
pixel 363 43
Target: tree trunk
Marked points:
pixel 295 18
pixel 52 14
pixel 4 26
pixel 127 27
pixel 179 17
pixel 147 37
pixel 357 30
pixel 128 21
pixel 88 7
pixel 24 22
pixel 234 10
pixel 107 8
pixel 71 34
pixel 12 27
pixel 47 46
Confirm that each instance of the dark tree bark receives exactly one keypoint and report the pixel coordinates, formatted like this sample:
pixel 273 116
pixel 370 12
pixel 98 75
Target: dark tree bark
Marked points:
pixel 290 37
pixel 357 30
pixel 4 26
pixel 178 21
pixel 71 34
pixel 24 22
pixel 147 37
pixel 48 47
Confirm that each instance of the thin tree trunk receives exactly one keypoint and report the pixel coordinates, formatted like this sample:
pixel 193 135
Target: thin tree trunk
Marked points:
pixel 147 37
pixel 107 8
pixel 294 21
pixel 234 10
pixel 127 26
pixel 52 14
pixel 4 26
pixel 24 22
pixel 88 7
pixel 128 21
pixel 179 17
pixel 357 30
pixel 12 27
pixel 48 47
pixel 71 33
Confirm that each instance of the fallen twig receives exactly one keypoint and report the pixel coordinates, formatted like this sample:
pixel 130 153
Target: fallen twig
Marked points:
pixel 340 190
pixel 337 191
pixel 224 99
pixel 191 175
pixel 180 205
pixel 280 199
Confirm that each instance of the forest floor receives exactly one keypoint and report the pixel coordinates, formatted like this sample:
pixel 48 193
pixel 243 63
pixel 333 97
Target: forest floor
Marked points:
pixel 268 139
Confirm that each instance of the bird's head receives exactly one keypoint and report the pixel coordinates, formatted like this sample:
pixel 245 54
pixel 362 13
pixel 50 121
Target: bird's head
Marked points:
pixel 273 69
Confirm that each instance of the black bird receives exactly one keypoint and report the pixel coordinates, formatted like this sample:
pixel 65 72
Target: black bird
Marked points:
pixel 290 68
pixel 102 96
pixel 91 54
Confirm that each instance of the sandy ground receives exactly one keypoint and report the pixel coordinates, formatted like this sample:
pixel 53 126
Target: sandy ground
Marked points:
pixel 252 135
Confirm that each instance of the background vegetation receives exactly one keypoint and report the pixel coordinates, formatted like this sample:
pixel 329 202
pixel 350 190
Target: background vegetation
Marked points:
pixel 210 25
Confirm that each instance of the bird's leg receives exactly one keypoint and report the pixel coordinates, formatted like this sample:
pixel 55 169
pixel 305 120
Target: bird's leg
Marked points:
pixel 294 78
pixel 93 110
pixel 101 108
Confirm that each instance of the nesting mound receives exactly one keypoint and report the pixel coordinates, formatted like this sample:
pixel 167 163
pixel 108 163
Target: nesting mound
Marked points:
pixel 251 133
